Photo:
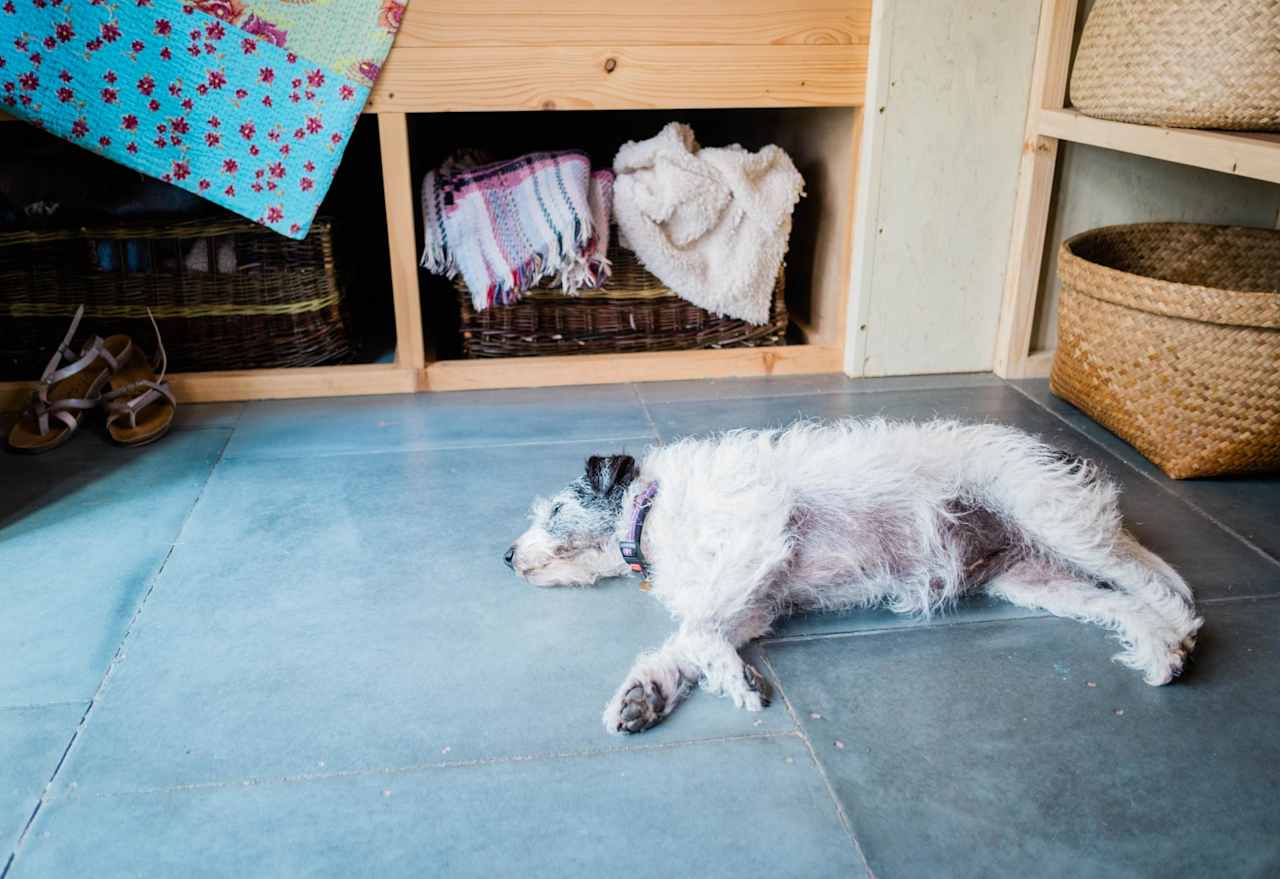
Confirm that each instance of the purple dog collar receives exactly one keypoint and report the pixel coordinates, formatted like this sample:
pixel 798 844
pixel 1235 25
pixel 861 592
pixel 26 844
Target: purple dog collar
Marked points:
pixel 630 545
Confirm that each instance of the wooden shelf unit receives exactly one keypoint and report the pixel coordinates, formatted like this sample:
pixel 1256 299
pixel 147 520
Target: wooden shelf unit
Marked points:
pixel 515 55
pixel 1049 122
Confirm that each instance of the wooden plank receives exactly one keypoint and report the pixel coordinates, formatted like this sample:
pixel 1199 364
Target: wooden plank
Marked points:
pixel 830 145
pixel 280 384
pixel 423 80
pixel 1037 364
pixel 592 369
pixel 445 23
pixel 1035 188
pixel 266 384
pixel 398 189
pixel 1243 154
pixel 866 195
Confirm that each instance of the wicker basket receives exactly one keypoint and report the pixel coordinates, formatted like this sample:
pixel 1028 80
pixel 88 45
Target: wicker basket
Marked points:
pixel 1181 63
pixel 276 304
pixel 1169 335
pixel 634 312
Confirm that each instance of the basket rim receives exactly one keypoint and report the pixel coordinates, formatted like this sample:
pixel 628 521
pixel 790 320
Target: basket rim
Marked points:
pixel 1264 304
pixel 192 228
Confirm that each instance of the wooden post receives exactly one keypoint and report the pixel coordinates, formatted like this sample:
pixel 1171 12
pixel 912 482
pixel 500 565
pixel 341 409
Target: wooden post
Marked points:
pixel 1035 190
pixel 398 189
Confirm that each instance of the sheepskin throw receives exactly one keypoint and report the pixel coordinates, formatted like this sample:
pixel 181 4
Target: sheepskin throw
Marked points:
pixel 508 225
pixel 712 224
pixel 247 103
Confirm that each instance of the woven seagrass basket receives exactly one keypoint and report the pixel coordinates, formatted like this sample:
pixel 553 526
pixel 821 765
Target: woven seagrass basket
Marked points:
pixel 1169 335
pixel 633 312
pixel 1181 63
pixel 226 294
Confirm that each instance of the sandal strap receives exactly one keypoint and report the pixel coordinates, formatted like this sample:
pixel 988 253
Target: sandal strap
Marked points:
pixel 151 392
pixel 92 351
pixel 63 349
pixel 61 409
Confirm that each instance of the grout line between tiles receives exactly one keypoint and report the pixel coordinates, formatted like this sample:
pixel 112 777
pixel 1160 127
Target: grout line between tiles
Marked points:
pixel 841 814
pixel 881 630
pixel 422 768
pixel 852 388
pixel 116 658
pixel 648 416
pixel 1234 599
pixel 1154 481
pixel 948 623
pixel 416 449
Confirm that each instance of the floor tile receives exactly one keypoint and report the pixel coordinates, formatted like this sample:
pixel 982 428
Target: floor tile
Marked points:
pixel 351 612
pixel 1208 557
pixel 290 428
pixel 697 417
pixel 202 415
pixel 753 807
pixel 1018 749
pixel 79 565
pixel 801 385
pixel 1248 505
pixel 90 471
pixel 32 741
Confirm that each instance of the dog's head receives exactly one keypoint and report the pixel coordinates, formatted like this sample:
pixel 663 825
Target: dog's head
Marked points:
pixel 571 541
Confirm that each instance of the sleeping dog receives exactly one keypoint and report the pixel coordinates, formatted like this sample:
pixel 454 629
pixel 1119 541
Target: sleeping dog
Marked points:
pixel 737 531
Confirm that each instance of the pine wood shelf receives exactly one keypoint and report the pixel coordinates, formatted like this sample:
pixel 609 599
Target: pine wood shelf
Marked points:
pixel 1245 154
pixel 507 55
pixel 1049 122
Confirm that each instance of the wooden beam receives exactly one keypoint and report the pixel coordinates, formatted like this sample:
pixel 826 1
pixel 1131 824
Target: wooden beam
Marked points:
pixel 265 384
pixel 536 372
pixel 446 23
pixel 398 190
pixel 1245 154
pixel 427 80
pixel 1035 188
pixel 1037 364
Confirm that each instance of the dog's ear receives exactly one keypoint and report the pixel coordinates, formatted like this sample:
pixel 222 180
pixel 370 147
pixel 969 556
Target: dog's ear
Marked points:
pixel 611 473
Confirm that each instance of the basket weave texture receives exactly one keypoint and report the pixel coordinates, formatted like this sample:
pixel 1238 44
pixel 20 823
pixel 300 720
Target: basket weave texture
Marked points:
pixel 280 306
pixel 1181 63
pixel 633 312
pixel 1169 335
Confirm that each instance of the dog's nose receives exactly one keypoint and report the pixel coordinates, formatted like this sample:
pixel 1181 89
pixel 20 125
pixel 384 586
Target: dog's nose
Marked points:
pixel 509 558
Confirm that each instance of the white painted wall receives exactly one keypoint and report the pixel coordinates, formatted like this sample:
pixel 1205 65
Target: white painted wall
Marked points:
pixel 940 166
pixel 948 92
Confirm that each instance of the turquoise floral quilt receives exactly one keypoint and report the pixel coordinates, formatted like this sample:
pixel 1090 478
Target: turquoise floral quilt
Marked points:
pixel 248 104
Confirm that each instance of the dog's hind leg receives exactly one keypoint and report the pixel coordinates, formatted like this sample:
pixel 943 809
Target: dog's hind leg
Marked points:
pixel 1151 643
pixel 1133 568
pixel 1068 512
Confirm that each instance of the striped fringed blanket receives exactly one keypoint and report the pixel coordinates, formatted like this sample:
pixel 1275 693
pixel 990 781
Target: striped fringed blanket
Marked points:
pixel 506 226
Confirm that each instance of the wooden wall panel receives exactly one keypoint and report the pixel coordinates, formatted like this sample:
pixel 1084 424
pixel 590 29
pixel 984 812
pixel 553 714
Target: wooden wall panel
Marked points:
pixel 423 80
pixel 446 23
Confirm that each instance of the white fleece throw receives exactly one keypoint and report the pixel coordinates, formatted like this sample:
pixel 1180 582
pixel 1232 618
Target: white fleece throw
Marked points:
pixel 712 224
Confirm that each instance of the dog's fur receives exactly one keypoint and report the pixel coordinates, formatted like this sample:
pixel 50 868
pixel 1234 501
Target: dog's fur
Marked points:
pixel 751 526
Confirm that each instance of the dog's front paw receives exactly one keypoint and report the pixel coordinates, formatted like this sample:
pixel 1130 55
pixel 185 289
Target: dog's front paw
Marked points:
pixel 645 700
pixel 639 705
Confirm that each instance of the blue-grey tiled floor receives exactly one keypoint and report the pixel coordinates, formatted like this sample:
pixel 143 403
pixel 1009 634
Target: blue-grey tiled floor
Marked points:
pixel 283 643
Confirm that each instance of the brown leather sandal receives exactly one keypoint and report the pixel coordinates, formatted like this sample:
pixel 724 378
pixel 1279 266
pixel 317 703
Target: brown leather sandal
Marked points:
pixel 140 396
pixel 65 392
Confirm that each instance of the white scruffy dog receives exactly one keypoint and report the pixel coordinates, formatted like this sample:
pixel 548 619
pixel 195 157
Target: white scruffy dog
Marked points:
pixel 751 526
